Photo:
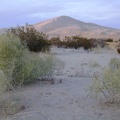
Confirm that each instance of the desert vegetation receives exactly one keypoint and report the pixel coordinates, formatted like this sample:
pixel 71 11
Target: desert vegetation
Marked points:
pixel 109 40
pixel 18 65
pixel 118 50
pixel 36 41
pixel 106 87
pixel 77 42
pixel 118 47
pixel 26 57
pixel 72 42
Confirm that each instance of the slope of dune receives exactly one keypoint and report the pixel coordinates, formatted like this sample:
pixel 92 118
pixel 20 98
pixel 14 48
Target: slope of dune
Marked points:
pixel 67 26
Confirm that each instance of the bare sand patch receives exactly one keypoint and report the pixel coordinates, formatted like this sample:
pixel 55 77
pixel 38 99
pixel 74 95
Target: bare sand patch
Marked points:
pixel 67 100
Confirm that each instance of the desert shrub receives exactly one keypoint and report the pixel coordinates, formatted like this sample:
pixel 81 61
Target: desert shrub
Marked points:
pixel 93 64
pixel 36 41
pixel 98 50
pixel 107 86
pixel 88 69
pixel 118 50
pixel 114 64
pixel 109 40
pixel 3 84
pixel 78 42
pixel 54 41
pixel 47 65
pixel 98 42
pixel 74 42
pixel 18 64
pixel 11 50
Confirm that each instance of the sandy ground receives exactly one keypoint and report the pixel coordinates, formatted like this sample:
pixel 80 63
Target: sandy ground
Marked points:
pixel 67 100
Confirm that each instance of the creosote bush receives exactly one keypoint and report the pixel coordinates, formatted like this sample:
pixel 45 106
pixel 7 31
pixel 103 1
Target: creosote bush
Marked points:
pixel 109 40
pixel 18 65
pixel 74 42
pixel 3 83
pixel 107 86
pixel 77 42
pixel 36 41
pixel 118 50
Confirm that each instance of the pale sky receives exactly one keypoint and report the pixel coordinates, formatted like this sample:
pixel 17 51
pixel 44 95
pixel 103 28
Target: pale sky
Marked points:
pixel 20 12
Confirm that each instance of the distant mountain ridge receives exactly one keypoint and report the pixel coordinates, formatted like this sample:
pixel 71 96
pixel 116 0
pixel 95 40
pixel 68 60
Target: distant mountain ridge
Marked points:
pixel 67 26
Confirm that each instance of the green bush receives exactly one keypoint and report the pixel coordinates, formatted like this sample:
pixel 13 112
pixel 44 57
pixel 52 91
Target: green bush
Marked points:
pixel 18 65
pixel 11 51
pixel 3 83
pixel 114 64
pixel 108 85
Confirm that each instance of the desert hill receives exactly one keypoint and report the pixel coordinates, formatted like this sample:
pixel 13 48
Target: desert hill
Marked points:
pixel 67 26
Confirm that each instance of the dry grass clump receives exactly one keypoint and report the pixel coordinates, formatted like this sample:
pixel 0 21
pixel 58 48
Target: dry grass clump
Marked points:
pixel 88 69
pixel 107 86
pixel 94 64
pixel 82 70
pixel 98 50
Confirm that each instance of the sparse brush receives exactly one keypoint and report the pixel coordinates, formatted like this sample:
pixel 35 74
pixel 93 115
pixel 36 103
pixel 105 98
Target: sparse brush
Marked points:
pixel 58 66
pixel 47 65
pixel 114 64
pixel 72 42
pixel 107 86
pixel 98 50
pixel 88 69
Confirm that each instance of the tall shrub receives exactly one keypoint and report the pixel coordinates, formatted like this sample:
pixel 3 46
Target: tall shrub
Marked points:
pixel 36 41
pixel 18 65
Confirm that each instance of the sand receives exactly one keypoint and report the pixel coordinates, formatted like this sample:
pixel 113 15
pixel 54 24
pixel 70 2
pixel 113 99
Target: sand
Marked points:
pixel 68 100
